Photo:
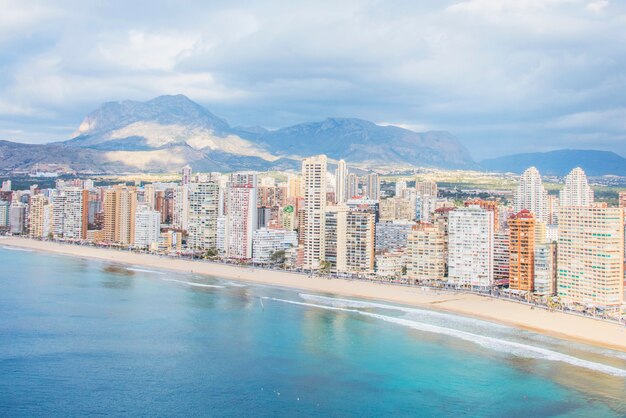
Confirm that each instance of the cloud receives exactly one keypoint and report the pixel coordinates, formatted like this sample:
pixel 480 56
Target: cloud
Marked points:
pixel 597 6
pixel 500 75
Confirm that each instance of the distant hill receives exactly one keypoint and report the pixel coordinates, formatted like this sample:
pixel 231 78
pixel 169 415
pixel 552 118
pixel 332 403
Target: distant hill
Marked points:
pixel 561 162
pixel 358 140
pixel 168 132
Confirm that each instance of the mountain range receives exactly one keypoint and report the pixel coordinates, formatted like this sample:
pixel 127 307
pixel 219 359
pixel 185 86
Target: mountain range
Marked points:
pixel 561 162
pixel 168 132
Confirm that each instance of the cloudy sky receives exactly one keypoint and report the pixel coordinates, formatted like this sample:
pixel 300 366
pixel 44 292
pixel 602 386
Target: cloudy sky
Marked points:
pixel 504 76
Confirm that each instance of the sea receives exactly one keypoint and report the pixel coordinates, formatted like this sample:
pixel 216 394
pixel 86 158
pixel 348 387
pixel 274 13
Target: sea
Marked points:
pixel 80 337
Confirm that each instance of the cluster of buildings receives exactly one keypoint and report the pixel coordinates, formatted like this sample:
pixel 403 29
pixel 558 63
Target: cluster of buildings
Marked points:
pixel 542 246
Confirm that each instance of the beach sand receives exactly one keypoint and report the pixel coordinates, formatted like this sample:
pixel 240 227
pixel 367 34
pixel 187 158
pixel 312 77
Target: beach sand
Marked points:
pixel 556 324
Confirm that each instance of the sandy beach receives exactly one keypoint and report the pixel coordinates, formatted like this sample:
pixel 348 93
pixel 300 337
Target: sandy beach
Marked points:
pixel 556 324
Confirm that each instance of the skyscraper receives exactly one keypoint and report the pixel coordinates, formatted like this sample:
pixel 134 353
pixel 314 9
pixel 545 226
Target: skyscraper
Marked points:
pixel 203 212
pixel 39 216
pixel 353 186
pixel 425 253
pixel 590 256
pixel 181 207
pixel 576 191
pixel 120 204
pixel 314 181
pixel 470 247
pixel 147 226
pixel 241 204
pixel 490 205
pixel 185 175
pixel 360 237
pixel 294 186
pixel 70 213
pixel 373 186
pixel 531 195
pixel 341 182
pixel 522 251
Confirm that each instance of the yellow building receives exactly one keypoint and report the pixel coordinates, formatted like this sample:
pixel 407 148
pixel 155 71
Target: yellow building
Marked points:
pixel 425 253
pixel 120 205
pixel 590 256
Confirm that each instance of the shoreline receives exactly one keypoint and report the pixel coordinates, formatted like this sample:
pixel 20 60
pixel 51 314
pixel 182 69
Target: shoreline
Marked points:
pixel 555 324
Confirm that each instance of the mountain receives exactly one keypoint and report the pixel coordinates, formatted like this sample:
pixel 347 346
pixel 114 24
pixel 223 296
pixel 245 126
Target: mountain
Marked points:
pixel 168 132
pixel 561 162
pixel 357 140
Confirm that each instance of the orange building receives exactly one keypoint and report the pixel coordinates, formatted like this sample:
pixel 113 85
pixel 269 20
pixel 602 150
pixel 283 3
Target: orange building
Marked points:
pixel 522 251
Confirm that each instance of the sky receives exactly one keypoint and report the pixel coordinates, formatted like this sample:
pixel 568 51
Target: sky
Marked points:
pixel 504 76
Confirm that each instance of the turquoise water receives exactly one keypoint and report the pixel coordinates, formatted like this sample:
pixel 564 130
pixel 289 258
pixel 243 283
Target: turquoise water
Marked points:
pixel 82 337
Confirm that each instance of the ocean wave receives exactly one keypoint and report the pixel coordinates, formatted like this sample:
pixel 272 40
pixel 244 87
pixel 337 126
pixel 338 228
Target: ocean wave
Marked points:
pixel 17 249
pixel 194 284
pixel 235 284
pixel 140 270
pixel 509 347
pixel 350 303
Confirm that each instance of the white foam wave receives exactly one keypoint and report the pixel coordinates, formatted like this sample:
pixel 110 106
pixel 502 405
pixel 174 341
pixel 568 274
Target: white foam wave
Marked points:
pixel 510 347
pixel 350 303
pixel 17 249
pixel 194 284
pixel 235 284
pixel 139 270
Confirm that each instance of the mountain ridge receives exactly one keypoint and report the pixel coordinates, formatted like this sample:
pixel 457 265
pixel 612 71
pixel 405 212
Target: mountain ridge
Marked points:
pixel 132 135
pixel 560 162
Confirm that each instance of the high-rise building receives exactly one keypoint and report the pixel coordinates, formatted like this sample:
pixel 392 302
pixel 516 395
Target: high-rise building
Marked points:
pixel 241 214
pixel 149 196
pixel 341 182
pixel 425 253
pixel 545 269
pixel 353 186
pixel 349 240
pixel 590 255
pixel 314 186
pixel 622 199
pixel 70 213
pixel 335 237
pixel 426 188
pixel 373 186
pixel 553 210
pixel 392 235
pixel 400 187
pixel 185 175
pixel 203 213
pixel 531 195
pixel 181 207
pixel 490 205
pixel 396 209
pixel 576 191
pixel 18 217
pixel 501 257
pixel 39 216
pixel 120 205
pixel 470 247
pixel 522 251
pixel 294 186
pixel 6 186
pixel 4 213
pixel 360 237
pixel 147 226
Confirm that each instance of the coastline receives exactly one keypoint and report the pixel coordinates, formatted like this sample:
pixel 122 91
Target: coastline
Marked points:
pixel 555 324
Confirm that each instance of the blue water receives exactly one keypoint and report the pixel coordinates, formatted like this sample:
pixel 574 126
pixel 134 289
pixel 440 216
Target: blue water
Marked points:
pixel 82 337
